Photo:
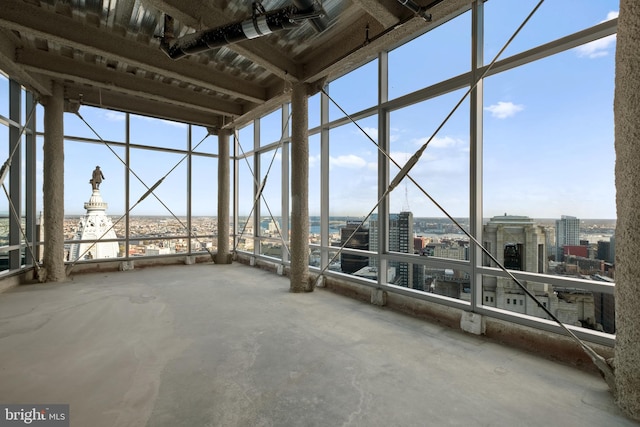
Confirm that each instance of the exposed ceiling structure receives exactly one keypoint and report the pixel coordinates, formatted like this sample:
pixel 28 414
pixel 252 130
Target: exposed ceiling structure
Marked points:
pixel 235 60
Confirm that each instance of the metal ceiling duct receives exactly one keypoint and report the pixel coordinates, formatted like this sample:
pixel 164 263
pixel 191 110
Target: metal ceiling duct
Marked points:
pixel 257 26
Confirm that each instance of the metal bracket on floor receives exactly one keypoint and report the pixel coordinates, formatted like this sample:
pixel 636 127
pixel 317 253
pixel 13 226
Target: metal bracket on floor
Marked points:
pixel 126 266
pixel 473 323
pixel 379 297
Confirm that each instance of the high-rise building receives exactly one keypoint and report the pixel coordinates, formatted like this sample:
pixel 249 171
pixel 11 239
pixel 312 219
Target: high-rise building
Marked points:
pixel 519 244
pixel 605 251
pixel 354 238
pixel 94 226
pixel 400 240
pixel 567 233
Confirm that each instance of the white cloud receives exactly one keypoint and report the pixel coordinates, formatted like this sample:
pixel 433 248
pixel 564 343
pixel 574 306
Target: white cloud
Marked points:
pixel 400 157
pixel 314 161
pixel 372 132
pixel 349 161
pixel 442 142
pixel 597 48
pixel 172 123
pixel 503 110
pixel 611 15
pixel 114 116
pixel 166 122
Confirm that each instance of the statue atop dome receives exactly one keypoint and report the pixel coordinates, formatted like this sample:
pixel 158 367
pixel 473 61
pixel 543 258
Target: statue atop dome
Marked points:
pixel 96 178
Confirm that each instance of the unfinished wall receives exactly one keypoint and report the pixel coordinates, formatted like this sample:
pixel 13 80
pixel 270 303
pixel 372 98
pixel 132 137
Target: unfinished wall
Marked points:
pixel 627 140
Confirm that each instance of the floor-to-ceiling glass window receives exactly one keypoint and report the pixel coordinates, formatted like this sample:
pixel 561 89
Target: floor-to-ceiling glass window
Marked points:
pixel 204 189
pixel 137 186
pixel 548 160
pixel 17 143
pixel 436 187
pixel 4 149
pixel 246 189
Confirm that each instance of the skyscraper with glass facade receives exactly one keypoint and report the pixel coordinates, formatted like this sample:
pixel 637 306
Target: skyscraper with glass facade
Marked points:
pixel 567 233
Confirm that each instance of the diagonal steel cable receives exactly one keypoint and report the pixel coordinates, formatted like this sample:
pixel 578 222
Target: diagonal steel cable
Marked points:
pixel 261 186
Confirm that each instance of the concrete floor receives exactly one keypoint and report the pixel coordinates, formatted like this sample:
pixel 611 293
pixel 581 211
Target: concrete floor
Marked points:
pixel 228 345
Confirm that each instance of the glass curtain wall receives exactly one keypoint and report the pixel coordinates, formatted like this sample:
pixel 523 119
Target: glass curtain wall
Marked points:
pixel 548 163
pixel 17 208
pixel 513 152
pixel 500 176
pixel 136 154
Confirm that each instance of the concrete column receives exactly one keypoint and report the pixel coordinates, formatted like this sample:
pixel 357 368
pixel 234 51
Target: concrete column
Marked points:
pixel 299 190
pixel 223 256
pixel 53 186
pixel 627 171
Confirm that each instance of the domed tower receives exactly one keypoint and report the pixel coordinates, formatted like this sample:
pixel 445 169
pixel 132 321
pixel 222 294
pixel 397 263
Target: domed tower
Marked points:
pixel 95 226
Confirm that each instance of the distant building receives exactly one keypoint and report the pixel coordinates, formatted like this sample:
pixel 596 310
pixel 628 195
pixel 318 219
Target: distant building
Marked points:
pixel 419 243
pixel 581 251
pixel 94 227
pixel 354 238
pixel 612 249
pixel 519 244
pixel 605 251
pixel 605 307
pixel 579 265
pixel 449 249
pixel 400 240
pixel 154 251
pixel 567 233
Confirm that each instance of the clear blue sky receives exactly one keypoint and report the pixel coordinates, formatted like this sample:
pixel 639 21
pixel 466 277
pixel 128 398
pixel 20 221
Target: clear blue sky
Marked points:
pixel 548 131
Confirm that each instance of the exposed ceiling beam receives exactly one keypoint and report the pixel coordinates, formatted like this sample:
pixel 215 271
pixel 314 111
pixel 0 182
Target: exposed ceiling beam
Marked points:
pixel 260 110
pixel 270 58
pixel 23 17
pixel 18 73
pixel 62 68
pixel 378 11
pixel 94 97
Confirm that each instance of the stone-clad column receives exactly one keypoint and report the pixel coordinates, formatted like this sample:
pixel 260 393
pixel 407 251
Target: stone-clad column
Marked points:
pixel 53 186
pixel 223 256
pixel 299 190
pixel 627 172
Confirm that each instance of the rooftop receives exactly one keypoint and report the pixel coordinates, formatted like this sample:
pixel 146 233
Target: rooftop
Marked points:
pixel 229 345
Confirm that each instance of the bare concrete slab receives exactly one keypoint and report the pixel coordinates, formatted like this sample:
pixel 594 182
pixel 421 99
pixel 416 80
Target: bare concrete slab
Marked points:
pixel 228 345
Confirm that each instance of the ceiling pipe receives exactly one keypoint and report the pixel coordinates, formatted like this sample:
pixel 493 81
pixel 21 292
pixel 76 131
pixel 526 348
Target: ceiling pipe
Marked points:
pixel 419 10
pixel 318 23
pixel 257 26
